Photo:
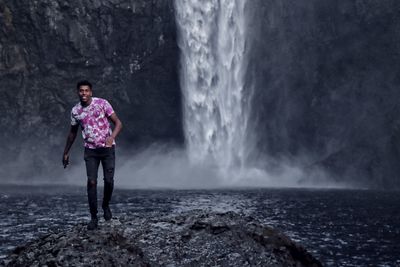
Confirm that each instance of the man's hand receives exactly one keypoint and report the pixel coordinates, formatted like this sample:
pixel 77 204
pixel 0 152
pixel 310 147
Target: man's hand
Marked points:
pixel 70 140
pixel 109 141
pixel 65 160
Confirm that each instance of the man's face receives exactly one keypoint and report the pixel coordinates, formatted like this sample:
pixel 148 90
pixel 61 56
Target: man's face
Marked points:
pixel 85 94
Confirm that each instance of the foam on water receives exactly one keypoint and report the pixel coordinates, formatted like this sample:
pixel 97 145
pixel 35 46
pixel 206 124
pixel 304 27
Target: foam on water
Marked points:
pixel 215 203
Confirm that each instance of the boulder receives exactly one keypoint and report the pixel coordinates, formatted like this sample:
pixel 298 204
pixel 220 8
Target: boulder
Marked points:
pixel 194 238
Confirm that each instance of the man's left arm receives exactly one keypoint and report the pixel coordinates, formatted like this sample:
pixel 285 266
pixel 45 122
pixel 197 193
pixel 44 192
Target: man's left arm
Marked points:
pixel 117 128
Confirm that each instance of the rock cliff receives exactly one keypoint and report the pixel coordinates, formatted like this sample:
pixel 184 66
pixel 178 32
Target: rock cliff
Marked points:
pixel 327 86
pixel 127 49
pixel 325 76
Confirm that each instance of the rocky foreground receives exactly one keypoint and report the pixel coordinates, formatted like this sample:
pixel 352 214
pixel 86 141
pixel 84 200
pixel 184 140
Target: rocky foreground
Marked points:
pixel 189 239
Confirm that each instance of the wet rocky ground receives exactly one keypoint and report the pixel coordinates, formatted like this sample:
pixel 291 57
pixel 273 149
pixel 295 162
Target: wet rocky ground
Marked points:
pixel 192 238
pixel 339 227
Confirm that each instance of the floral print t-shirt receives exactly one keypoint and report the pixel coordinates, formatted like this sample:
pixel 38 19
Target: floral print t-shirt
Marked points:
pixel 94 121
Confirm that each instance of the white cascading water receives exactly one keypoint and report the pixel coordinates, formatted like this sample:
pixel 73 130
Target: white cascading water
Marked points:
pixel 212 39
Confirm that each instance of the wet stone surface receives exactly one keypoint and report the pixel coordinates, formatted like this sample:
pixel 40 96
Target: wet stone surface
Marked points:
pixel 191 238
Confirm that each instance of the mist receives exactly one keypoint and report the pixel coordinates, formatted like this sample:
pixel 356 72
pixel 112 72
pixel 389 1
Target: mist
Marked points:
pixel 167 167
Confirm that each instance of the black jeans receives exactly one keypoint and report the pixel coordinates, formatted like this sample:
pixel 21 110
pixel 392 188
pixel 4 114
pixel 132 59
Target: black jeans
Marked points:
pixel 93 157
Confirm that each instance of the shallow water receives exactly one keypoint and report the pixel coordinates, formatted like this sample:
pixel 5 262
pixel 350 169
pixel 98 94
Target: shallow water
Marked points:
pixel 340 227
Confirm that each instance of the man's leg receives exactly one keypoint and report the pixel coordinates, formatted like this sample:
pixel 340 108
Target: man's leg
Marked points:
pixel 108 163
pixel 92 165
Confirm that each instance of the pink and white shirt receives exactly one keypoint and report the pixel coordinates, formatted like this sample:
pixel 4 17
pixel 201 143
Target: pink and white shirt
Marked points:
pixel 94 121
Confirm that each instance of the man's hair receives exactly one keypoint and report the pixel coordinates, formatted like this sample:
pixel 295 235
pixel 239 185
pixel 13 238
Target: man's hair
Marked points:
pixel 84 82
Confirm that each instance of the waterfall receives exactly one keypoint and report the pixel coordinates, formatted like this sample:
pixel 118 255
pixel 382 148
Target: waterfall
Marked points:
pixel 212 39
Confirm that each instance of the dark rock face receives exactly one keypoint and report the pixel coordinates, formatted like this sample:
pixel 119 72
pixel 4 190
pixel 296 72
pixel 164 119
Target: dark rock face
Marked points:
pixel 327 85
pixel 190 239
pixel 127 49
pixel 325 73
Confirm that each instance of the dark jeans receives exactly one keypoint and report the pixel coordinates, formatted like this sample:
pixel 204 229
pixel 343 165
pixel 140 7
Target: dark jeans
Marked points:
pixel 93 157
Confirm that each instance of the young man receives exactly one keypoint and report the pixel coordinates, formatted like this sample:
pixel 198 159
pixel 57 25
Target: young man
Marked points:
pixel 93 115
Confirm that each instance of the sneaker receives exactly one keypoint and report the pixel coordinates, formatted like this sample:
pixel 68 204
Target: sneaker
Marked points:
pixel 107 213
pixel 93 224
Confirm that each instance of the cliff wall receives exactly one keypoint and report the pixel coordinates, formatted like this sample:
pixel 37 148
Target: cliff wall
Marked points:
pixel 127 49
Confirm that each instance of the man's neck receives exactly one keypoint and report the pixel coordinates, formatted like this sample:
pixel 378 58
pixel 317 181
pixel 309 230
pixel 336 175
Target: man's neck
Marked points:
pixel 85 104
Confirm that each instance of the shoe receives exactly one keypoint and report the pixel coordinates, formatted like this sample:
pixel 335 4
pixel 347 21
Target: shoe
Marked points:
pixel 93 224
pixel 107 213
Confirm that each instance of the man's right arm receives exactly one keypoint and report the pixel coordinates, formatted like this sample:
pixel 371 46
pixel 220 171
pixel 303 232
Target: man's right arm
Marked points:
pixel 70 140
